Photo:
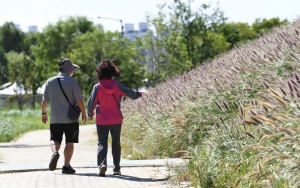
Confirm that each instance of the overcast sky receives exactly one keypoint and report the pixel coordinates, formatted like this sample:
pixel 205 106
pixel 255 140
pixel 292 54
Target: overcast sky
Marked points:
pixel 42 12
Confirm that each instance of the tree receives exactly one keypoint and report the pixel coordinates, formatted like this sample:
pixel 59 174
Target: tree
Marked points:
pixel 11 38
pixel 3 67
pixel 197 30
pixel 183 39
pixel 89 49
pixel 30 40
pixel 261 26
pixel 56 39
pixel 237 33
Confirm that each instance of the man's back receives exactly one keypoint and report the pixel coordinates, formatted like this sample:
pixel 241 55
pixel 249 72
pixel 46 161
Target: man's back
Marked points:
pixel 54 95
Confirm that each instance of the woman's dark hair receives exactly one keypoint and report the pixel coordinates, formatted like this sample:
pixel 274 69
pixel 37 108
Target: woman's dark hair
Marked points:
pixel 106 70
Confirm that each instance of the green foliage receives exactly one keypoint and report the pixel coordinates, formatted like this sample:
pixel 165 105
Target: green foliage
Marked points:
pixel 262 26
pixel 14 123
pixel 3 67
pixel 11 38
pixel 56 39
pixel 89 49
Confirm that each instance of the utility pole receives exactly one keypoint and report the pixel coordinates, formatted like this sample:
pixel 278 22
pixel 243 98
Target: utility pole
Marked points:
pixel 114 20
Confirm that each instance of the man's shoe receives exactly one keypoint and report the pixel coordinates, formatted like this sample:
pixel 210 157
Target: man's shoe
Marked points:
pixel 68 170
pixel 53 161
pixel 102 170
pixel 117 173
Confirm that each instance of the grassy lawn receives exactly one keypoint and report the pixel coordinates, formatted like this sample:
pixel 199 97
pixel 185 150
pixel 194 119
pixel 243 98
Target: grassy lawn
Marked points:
pixel 14 123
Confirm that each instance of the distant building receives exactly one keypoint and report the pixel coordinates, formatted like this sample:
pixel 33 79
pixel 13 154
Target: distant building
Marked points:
pixel 32 28
pixel 132 34
pixel 18 26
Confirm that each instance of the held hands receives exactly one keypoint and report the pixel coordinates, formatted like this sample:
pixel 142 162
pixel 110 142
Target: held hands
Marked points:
pixel 90 117
pixel 83 118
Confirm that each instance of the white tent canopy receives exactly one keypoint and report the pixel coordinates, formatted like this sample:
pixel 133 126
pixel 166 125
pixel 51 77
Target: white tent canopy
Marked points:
pixel 10 89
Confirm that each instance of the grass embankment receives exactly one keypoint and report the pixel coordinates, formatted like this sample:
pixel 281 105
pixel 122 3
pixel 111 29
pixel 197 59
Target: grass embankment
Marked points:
pixel 236 118
pixel 14 123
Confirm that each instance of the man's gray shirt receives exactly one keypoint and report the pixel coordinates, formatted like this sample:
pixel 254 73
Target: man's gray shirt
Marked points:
pixel 55 97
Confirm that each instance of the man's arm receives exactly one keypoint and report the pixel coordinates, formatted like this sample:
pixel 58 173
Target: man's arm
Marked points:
pixel 82 109
pixel 44 112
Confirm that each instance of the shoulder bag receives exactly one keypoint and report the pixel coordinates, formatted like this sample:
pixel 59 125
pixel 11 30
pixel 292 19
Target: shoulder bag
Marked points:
pixel 74 110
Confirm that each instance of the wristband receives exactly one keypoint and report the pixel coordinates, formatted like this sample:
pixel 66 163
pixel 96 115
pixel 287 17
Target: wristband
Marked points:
pixel 43 113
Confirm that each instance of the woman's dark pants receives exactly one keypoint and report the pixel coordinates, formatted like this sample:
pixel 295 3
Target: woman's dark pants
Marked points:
pixel 103 131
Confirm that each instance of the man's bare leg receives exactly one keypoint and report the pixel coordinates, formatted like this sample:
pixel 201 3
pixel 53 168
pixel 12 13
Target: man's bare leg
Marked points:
pixel 55 146
pixel 68 152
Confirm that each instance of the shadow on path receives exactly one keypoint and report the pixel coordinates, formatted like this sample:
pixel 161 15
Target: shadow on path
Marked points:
pixel 22 146
pixel 124 177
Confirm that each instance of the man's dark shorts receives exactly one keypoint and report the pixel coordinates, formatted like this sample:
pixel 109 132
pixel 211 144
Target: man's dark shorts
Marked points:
pixel 71 131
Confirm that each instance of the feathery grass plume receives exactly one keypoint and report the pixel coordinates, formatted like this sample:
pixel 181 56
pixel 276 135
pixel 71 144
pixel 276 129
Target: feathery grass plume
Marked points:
pixel 266 85
pixel 218 106
pixel 249 134
pixel 275 148
pixel 291 90
pixel 248 122
pixel 274 92
pixel 209 144
pixel 265 137
pixel 238 181
pixel 225 105
pixel 296 76
pixel 256 120
pixel 283 115
pixel 266 120
pixel 253 112
pixel 259 167
pixel 252 174
pixel 190 138
pixel 237 166
pixel 218 124
pixel 187 157
pixel 263 148
pixel 283 92
pixel 267 159
pixel 235 105
pixel 288 131
pixel 283 156
pixel 267 105
pixel 277 119
pixel 287 138
pixel 180 152
pixel 294 57
pixel 222 120
pixel 241 110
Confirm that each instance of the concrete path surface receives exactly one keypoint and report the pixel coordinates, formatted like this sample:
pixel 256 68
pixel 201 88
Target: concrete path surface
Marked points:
pixel 24 163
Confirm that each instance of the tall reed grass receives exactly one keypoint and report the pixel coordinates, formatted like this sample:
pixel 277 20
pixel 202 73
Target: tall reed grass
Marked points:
pixel 237 116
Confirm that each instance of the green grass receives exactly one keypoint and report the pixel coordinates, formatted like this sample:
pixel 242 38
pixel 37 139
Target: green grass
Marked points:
pixel 14 123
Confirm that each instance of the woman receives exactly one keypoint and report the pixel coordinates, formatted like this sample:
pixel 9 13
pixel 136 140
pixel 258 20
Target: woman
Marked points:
pixel 105 98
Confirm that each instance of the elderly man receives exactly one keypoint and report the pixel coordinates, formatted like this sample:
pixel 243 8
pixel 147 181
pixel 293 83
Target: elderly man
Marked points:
pixel 59 89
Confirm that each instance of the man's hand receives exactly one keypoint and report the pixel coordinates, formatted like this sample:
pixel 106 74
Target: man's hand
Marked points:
pixel 83 118
pixel 90 117
pixel 44 118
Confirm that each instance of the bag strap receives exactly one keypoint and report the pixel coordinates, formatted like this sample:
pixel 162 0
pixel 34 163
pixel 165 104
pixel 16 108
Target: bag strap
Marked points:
pixel 63 90
pixel 116 100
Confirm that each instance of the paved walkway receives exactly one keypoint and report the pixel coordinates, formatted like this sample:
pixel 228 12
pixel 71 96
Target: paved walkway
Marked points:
pixel 24 163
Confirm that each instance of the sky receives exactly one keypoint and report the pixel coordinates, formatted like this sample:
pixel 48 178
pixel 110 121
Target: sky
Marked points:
pixel 40 13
